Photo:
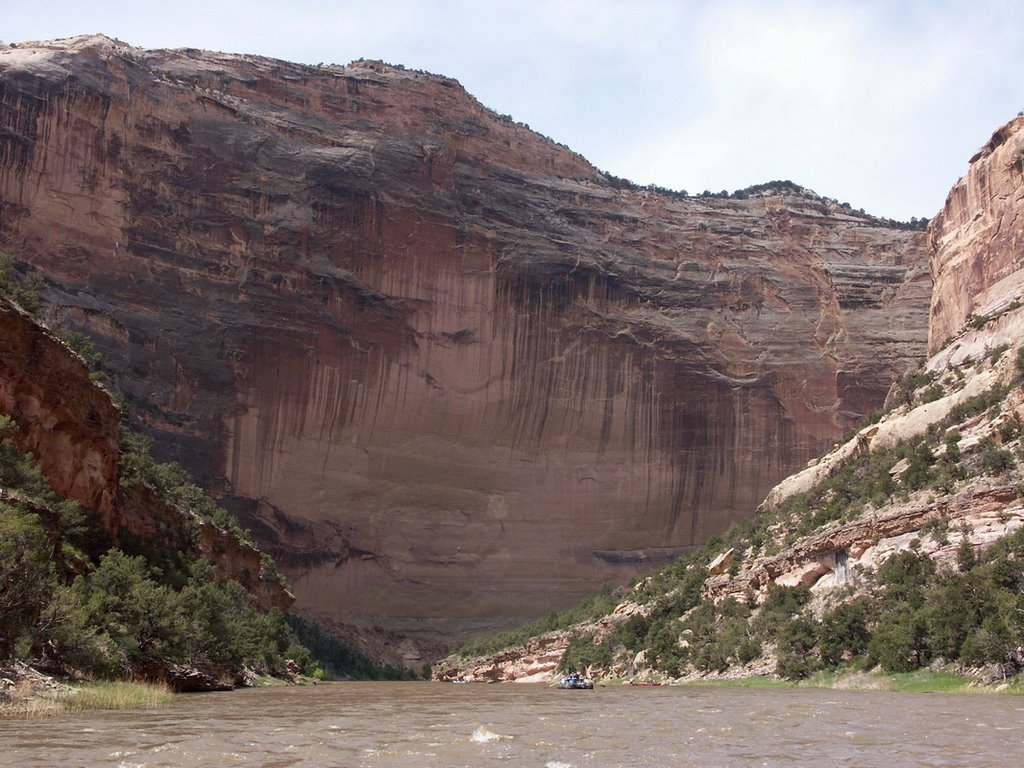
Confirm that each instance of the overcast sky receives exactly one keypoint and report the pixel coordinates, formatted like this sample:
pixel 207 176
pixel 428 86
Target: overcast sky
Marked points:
pixel 876 103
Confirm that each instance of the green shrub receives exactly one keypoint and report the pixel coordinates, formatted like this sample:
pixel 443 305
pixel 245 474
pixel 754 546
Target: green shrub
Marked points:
pixel 905 576
pixel 909 383
pixel 977 321
pixel 978 404
pixel 633 632
pixel 21 285
pixel 748 650
pixel 993 642
pixel 664 652
pixel 995 460
pixel 794 649
pixel 843 633
pixel 27 580
pixel 720 635
pixel 955 608
pixel 952 440
pixel 1010 428
pixel 899 641
pixel 584 653
pixel 919 471
pixel 133 620
pixel 997 352
pixel 786 600
pixel 81 345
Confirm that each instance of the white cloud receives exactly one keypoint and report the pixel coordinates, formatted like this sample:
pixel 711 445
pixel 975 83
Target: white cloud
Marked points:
pixel 841 97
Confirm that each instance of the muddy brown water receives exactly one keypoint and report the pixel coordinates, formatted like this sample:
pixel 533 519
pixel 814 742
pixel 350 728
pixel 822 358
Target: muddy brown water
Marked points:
pixel 437 724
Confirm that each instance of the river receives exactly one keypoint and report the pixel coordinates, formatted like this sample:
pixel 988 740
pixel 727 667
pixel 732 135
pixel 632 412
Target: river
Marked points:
pixel 437 724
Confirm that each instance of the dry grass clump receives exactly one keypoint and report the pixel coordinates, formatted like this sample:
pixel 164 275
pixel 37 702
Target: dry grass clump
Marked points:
pixel 28 701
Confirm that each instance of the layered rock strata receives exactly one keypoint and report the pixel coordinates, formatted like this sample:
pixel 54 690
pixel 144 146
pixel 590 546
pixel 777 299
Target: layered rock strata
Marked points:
pixel 978 239
pixel 451 374
pixel 978 264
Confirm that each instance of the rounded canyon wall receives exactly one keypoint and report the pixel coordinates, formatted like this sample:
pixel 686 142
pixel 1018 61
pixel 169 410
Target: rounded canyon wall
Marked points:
pixel 451 375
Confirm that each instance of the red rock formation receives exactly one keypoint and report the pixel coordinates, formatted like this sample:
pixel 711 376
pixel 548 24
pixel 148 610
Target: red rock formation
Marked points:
pixel 64 418
pixel 978 238
pixel 142 514
pixel 452 374
pixel 979 270
pixel 72 427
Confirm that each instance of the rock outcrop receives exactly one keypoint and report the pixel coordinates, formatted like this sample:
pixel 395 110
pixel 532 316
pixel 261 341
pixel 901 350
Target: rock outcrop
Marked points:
pixel 447 371
pixel 978 239
pixel 833 557
pixel 70 424
pixel 534 662
pixel 61 416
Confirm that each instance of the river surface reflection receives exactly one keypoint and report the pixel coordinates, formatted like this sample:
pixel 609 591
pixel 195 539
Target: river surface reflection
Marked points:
pixel 437 724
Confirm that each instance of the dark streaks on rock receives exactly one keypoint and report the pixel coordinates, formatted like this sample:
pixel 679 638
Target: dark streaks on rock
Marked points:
pixel 356 295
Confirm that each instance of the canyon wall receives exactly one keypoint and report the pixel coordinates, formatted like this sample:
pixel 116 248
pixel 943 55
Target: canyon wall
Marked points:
pixel 451 375
pixel 968 402
pixel 59 414
pixel 978 238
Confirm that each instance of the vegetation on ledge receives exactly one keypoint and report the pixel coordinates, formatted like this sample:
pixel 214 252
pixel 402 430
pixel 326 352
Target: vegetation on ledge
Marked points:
pixel 76 601
pixel 68 602
pixel 962 613
pixel 775 187
pixel 931 680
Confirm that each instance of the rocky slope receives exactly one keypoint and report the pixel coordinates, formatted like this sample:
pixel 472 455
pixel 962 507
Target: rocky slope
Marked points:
pixel 939 477
pixel 61 416
pixel 450 374
pixel 70 424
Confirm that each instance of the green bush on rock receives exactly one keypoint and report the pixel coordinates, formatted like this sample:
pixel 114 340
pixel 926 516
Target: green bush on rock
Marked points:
pixel 124 615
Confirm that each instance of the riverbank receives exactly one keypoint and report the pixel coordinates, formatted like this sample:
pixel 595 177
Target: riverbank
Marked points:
pixel 918 681
pixel 27 694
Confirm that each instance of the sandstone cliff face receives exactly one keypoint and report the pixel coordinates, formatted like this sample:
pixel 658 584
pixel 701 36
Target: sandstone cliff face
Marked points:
pixel 449 374
pixel 974 384
pixel 72 427
pixel 66 420
pixel 978 238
